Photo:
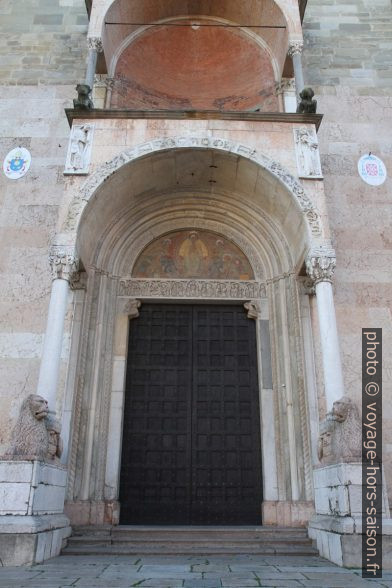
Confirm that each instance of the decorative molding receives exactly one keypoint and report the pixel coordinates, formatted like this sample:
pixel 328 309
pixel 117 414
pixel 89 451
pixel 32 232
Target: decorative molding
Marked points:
pixel 95 43
pixel 226 289
pixel 105 171
pixel 307 153
pixel 79 150
pixel 64 262
pixel 295 48
pixel 321 264
pixel 253 309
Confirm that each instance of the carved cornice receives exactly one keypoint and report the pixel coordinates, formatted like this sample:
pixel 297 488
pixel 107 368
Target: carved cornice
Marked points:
pixel 321 264
pixel 64 263
pixel 295 48
pixel 95 43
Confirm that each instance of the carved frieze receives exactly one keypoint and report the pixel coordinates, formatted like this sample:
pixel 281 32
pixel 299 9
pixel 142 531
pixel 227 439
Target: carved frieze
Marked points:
pixel 307 153
pixel 233 290
pixel 79 150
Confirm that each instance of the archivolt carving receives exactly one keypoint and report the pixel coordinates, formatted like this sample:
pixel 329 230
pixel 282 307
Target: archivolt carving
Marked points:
pixel 156 145
pixel 150 288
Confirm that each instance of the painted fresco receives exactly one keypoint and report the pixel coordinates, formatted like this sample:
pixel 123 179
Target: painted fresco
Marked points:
pixel 193 254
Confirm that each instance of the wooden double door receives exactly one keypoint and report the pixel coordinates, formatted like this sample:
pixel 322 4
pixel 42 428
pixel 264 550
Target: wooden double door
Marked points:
pixel 191 451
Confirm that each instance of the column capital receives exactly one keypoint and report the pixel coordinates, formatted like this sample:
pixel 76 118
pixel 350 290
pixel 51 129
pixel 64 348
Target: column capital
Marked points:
pixel 321 264
pixel 295 48
pixel 253 309
pixel 95 43
pixel 64 262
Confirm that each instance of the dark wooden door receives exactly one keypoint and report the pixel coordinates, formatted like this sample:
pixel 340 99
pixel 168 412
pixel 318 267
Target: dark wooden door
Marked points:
pixel 191 439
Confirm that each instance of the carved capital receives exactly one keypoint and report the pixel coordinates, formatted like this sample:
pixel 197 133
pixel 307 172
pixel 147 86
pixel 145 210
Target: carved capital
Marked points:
pixel 95 43
pixel 321 264
pixel 253 309
pixel 285 85
pixel 295 48
pixel 131 308
pixel 64 263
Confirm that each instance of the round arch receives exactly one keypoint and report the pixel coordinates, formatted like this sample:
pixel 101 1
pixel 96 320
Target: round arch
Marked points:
pixel 231 175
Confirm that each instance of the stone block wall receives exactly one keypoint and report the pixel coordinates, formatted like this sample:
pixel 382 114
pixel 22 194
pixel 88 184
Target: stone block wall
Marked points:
pixel 42 41
pixel 348 61
pixel 42 57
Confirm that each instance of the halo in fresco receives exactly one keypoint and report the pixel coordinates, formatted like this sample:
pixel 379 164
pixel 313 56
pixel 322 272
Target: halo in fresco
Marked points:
pixel 193 254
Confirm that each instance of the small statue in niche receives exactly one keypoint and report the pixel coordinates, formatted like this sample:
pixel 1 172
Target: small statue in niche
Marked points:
pixel 83 101
pixel 29 438
pixel 55 443
pixel 341 434
pixel 307 153
pixel 79 146
pixel 307 104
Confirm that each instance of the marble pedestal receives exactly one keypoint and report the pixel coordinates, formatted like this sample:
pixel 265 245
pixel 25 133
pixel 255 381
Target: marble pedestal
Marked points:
pixel 33 526
pixel 337 524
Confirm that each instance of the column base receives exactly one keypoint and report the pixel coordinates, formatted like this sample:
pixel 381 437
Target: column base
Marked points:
pixel 90 512
pixel 287 513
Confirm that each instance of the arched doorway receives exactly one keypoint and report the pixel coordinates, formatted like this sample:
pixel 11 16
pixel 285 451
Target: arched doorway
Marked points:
pixel 259 210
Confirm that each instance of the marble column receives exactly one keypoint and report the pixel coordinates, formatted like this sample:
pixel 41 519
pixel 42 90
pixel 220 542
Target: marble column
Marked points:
pixel 64 264
pixel 295 51
pixel 320 267
pixel 94 47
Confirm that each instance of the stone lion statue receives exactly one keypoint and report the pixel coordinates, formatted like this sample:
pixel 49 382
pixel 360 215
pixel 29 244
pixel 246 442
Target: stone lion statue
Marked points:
pixel 341 433
pixel 55 443
pixel 30 437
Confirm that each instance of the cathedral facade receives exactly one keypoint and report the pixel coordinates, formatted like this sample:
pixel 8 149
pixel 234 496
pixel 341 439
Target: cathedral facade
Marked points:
pixel 196 228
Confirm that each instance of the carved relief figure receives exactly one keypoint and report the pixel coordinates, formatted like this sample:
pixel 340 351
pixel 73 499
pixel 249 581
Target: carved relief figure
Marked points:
pixel 30 438
pixel 307 153
pixel 307 105
pixel 79 144
pixel 340 433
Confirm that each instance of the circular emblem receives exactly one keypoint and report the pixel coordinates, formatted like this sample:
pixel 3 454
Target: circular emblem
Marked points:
pixel 17 163
pixel 372 170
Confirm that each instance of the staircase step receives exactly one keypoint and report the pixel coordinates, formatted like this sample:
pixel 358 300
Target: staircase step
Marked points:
pixel 142 540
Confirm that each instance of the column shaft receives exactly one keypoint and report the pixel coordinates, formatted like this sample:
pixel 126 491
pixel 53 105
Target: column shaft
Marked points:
pixel 333 377
pixel 51 355
pixel 91 67
pixel 298 74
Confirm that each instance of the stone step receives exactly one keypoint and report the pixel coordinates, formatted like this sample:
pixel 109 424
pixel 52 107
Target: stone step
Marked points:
pixel 181 549
pixel 141 540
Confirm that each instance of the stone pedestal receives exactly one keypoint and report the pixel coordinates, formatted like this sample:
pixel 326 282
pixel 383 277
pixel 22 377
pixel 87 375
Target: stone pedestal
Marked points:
pixel 337 524
pixel 32 522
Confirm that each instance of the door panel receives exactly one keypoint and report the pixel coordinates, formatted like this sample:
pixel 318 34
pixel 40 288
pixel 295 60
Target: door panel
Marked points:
pixel 191 443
